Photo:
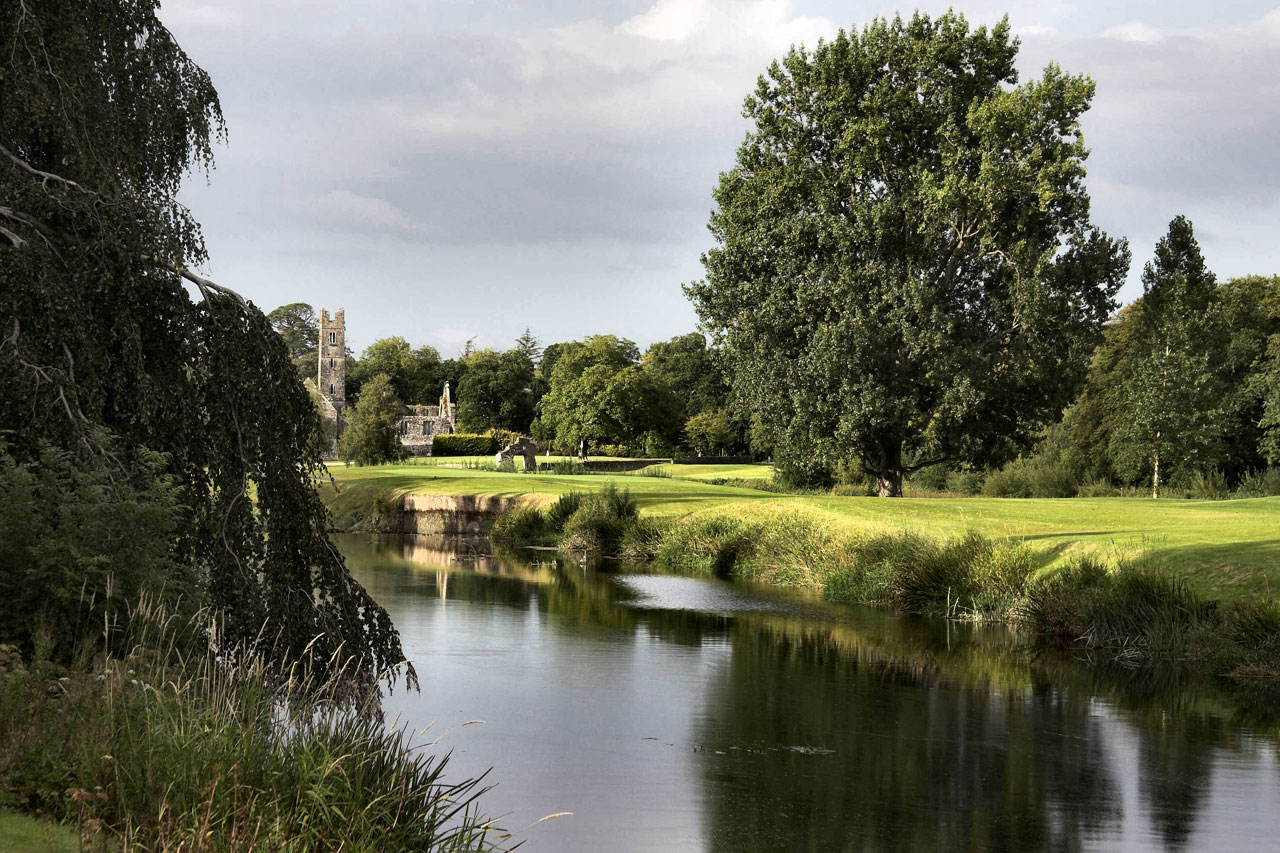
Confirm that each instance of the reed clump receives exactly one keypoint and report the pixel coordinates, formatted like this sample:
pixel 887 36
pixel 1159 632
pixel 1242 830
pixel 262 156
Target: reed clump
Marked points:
pixel 971 577
pixel 158 749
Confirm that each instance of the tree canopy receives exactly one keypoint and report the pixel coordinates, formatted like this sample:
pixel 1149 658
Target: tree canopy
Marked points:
pixel 105 355
pixel 904 270
pixel 297 324
pixel 496 392
pixel 371 436
pixel 600 394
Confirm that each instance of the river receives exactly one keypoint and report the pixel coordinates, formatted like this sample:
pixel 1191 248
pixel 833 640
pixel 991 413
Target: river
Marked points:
pixel 685 714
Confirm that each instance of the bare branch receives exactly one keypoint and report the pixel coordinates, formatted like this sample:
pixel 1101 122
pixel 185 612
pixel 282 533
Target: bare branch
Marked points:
pixel 45 177
pixel 11 237
pixel 207 288
pixel 43 230
pixel 907 469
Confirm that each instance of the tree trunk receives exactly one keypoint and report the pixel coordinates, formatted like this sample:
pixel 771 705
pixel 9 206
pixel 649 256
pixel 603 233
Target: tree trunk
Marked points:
pixel 889 478
pixel 1155 477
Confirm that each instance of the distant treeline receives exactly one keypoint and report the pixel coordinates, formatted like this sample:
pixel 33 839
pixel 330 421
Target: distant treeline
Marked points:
pixel 1183 390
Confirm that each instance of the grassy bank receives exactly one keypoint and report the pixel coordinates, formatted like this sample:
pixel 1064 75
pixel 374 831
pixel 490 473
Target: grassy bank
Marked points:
pixel 20 833
pixel 1127 579
pixel 1132 611
pixel 1228 550
pixel 157 750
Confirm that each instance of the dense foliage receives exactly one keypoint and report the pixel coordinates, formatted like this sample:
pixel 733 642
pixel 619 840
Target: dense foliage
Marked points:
pixel 105 360
pixel 905 271
pixel 372 435
pixel 497 391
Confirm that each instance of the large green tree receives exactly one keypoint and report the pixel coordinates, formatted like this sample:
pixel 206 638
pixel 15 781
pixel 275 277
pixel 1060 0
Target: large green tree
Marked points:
pixel 497 391
pixel 600 394
pixel 686 365
pixel 412 372
pixel 105 354
pixel 904 270
pixel 297 324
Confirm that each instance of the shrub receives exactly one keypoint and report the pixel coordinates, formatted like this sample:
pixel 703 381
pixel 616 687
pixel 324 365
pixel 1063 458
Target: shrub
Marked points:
pixel 1134 613
pixel 163 751
pixel 1097 488
pixel 464 444
pixel 1249 648
pixel 1056 603
pixel 601 522
pixel 617 502
pixel 964 482
pixel 1050 479
pixel 1260 484
pixel 502 437
pixel 930 479
pixel 1032 477
pixel 568 466
pixel 525 526
pixel 708 544
pixel 1008 482
pixel 558 513
pixel 642 539
pixel 1209 486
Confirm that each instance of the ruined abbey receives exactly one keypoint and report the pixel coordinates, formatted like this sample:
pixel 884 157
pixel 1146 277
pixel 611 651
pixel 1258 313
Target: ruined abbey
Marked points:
pixel 418 425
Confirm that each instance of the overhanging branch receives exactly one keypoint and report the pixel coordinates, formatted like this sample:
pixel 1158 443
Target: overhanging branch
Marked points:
pixel 45 177
pixel 207 288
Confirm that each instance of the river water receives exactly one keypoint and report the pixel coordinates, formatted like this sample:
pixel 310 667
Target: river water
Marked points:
pixel 686 714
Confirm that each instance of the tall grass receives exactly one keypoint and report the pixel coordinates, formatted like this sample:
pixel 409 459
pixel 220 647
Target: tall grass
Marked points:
pixel 971 577
pixel 160 750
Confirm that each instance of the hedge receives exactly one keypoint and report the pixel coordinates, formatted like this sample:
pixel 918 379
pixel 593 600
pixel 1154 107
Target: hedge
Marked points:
pixel 463 444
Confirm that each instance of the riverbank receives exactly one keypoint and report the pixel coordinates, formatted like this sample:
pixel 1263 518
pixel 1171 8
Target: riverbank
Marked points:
pixel 166 747
pixel 1133 582
pixel 1226 550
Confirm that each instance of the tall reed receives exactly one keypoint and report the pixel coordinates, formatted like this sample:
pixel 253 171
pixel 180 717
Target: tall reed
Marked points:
pixel 163 749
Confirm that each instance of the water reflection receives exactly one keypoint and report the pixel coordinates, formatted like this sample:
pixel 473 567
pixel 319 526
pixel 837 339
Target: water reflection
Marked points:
pixel 674 713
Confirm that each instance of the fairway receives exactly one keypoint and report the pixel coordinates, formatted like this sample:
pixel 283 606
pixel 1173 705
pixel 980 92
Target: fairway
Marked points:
pixel 1229 549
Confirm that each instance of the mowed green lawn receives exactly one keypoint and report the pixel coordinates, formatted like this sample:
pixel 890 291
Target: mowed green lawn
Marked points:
pixel 1227 548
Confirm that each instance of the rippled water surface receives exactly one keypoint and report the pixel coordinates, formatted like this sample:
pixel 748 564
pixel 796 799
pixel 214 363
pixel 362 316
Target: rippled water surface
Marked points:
pixel 670 713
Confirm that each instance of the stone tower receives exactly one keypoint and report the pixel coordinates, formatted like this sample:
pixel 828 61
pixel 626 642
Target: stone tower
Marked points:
pixel 332 378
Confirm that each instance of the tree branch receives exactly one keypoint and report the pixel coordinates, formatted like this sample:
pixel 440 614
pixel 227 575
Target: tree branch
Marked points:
pixel 207 288
pixel 45 177
pixel 907 469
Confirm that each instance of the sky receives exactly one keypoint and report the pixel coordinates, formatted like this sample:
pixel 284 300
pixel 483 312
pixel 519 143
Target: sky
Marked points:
pixel 456 169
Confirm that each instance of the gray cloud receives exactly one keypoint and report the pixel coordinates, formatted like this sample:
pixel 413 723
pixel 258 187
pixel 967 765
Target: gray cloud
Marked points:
pixel 446 169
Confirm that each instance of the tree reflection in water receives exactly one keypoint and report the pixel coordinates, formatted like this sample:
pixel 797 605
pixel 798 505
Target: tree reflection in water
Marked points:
pixel 829 728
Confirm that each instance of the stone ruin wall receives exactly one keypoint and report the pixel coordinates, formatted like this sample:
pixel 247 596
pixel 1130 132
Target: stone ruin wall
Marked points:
pixel 420 425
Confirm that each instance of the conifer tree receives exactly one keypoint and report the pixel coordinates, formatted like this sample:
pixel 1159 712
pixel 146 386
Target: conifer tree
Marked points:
pixel 1172 397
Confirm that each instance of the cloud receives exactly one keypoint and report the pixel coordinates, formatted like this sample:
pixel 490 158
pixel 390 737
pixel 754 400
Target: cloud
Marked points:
pixel 349 210
pixel 1134 31
pixel 668 20
pixel 490 133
